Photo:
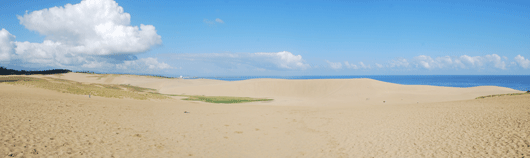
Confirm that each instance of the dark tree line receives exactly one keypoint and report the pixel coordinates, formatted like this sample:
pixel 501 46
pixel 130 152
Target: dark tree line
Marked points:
pixel 5 71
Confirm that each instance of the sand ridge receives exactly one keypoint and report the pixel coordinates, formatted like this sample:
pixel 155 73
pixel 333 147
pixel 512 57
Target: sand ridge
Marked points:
pixel 301 92
pixel 303 124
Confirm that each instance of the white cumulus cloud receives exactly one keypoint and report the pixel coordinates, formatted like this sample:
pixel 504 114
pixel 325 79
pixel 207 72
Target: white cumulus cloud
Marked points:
pixel 467 61
pixel 338 65
pixel 439 62
pixel 271 61
pixel 463 62
pixel 335 65
pixel 524 63
pixel 99 27
pixel 6 45
pixel 425 61
pixel 350 66
pixel 490 61
pixel 285 59
pixel 90 34
pixel 496 61
pixel 364 66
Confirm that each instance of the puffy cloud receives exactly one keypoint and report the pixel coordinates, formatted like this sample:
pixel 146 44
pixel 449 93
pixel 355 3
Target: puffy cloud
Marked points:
pixel 430 63
pixel 524 63
pixel 425 61
pixel 47 53
pixel 90 34
pixel 279 61
pixel 338 65
pixel 285 60
pixel 463 61
pixel 98 27
pixel 496 60
pixel 6 45
pixel 444 61
pixel 350 66
pixel 335 65
pixel 94 64
pixel 364 66
pixel 493 61
pixel 467 61
pixel 219 21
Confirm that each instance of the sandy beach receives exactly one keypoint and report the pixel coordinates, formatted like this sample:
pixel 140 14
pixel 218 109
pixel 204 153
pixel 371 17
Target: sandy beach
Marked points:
pixel 307 118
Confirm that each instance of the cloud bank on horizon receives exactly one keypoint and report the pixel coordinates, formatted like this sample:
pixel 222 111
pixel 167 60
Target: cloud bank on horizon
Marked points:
pixel 490 61
pixel 97 35
pixel 261 61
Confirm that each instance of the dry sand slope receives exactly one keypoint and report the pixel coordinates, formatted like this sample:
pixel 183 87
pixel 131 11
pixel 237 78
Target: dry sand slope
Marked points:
pixel 316 118
pixel 300 92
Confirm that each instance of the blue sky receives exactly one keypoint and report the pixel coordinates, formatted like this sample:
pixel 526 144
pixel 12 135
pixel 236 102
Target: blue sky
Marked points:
pixel 240 38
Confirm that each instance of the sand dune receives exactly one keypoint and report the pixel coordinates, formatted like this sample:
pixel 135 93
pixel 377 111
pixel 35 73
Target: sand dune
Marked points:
pixel 308 118
pixel 302 92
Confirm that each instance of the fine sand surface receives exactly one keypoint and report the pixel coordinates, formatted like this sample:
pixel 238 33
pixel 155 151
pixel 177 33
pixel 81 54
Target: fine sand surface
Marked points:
pixel 308 118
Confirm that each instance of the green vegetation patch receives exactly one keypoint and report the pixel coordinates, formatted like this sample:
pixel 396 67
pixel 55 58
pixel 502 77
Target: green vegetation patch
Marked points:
pixel 114 91
pixel 104 75
pixel 17 78
pixel 67 86
pixel 499 95
pixel 99 76
pixel 111 86
pixel 222 99
pixel 139 89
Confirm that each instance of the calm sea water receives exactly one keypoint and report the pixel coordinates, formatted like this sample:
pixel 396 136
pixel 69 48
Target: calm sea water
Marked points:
pixel 510 81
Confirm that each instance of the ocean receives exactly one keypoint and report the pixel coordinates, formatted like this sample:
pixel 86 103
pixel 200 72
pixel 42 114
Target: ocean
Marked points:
pixel 518 82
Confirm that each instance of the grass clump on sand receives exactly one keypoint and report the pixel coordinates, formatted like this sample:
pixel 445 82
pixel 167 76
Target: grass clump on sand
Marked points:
pixel 101 75
pixel 220 99
pixel 223 99
pixel 15 79
pixel 67 86
pixel 139 89
pixel 498 95
pixel 114 91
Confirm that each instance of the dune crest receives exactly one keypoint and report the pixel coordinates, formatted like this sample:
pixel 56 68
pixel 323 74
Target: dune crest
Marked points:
pixel 361 91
